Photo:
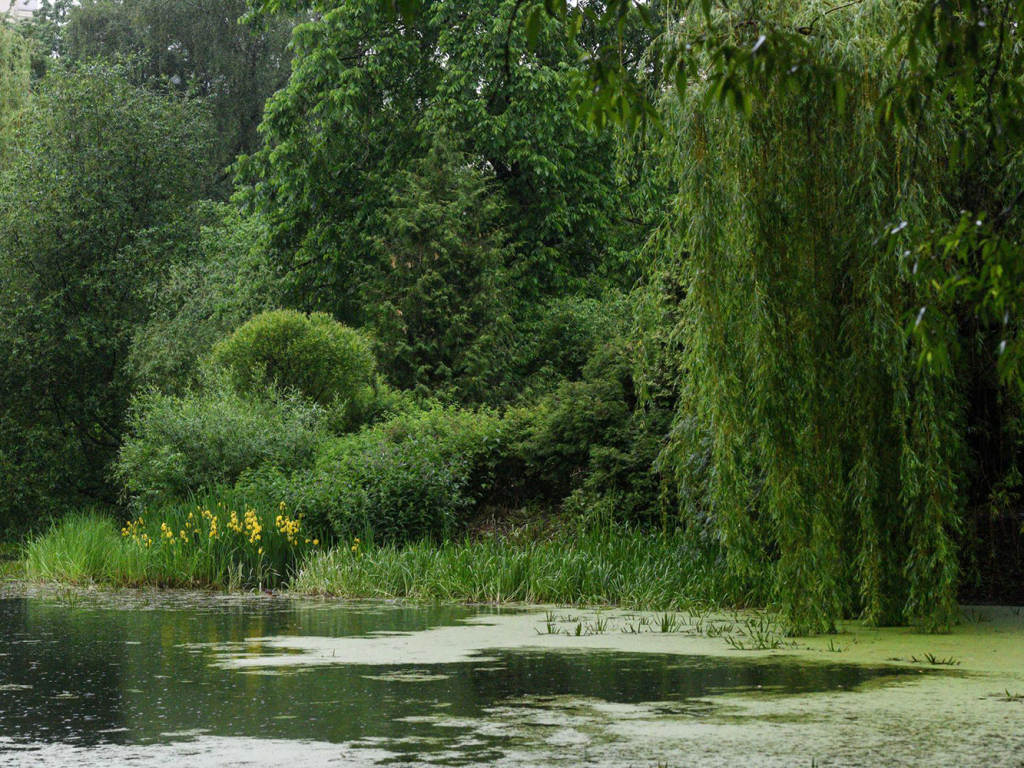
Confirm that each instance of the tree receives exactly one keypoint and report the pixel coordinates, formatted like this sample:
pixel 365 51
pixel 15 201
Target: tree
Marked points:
pixel 839 466
pixel 14 78
pixel 221 280
pixel 440 303
pixel 334 138
pixel 348 154
pixel 96 195
pixel 199 47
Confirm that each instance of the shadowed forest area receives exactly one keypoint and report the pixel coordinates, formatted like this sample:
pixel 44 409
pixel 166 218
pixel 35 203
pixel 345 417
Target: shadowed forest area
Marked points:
pixel 643 303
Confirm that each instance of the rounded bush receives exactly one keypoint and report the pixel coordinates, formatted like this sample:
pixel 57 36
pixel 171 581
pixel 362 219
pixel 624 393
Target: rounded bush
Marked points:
pixel 314 355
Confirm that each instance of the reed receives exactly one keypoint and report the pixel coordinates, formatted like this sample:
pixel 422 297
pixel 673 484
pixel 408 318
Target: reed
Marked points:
pixel 607 566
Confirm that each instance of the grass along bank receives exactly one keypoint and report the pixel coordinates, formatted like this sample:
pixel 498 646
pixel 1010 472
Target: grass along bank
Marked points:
pixel 616 566
pixel 206 546
pixel 208 542
pixel 11 565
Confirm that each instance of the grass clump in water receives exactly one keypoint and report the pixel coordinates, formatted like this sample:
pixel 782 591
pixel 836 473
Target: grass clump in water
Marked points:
pixel 602 566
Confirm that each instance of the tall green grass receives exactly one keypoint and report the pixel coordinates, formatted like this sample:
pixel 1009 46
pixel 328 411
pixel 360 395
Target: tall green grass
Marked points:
pixel 607 566
pixel 86 548
pixel 216 540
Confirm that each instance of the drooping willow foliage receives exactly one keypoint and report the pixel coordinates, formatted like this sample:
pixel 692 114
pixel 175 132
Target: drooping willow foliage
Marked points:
pixel 808 438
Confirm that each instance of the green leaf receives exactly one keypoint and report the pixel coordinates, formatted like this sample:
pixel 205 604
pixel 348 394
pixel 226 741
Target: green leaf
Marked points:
pixel 840 95
pixel 555 8
pixel 680 82
pixel 533 27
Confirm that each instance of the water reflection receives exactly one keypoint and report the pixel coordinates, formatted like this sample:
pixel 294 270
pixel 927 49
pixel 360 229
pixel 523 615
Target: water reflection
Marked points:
pixel 139 674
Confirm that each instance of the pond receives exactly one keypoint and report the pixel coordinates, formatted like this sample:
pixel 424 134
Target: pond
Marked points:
pixel 177 679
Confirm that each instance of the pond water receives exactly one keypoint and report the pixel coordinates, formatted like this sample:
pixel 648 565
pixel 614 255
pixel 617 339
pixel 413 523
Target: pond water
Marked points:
pixel 171 679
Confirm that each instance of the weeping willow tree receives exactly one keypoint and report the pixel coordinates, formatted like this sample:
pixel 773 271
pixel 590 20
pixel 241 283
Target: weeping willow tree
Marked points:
pixel 810 440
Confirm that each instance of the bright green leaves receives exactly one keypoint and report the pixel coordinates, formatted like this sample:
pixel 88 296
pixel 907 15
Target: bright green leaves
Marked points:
pixel 311 355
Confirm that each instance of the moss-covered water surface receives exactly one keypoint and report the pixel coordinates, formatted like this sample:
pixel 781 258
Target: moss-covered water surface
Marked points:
pixel 174 679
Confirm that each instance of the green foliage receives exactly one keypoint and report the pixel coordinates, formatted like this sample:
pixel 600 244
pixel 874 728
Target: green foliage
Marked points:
pixel 825 377
pixel 197 47
pixel 815 441
pixel 334 136
pixel 399 491
pixel 434 185
pixel 614 565
pixel 220 283
pixel 558 178
pixel 97 193
pixel 204 439
pixel 441 305
pixel 312 355
pixel 588 445
pixel 34 460
pixel 216 540
pixel 419 474
pixel 565 333
pixel 14 78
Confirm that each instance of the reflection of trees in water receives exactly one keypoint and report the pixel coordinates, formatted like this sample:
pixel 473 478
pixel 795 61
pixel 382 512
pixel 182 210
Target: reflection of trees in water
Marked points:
pixel 142 670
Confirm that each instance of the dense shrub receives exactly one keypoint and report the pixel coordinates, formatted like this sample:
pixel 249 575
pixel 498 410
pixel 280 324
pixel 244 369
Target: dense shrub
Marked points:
pixel 314 355
pixel 572 329
pixel 205 438
pixel 418 474
pixel 399 491
pixel 589 440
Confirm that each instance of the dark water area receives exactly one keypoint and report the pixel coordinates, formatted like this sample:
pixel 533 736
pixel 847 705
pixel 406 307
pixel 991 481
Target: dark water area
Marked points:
pixel 139 673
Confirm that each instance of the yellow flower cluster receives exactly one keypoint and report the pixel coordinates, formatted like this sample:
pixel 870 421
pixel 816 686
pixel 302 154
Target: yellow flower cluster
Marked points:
pixel 253 529
pixel 135 529
pixel 212 519
pixel 288 526
pixel 203 524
